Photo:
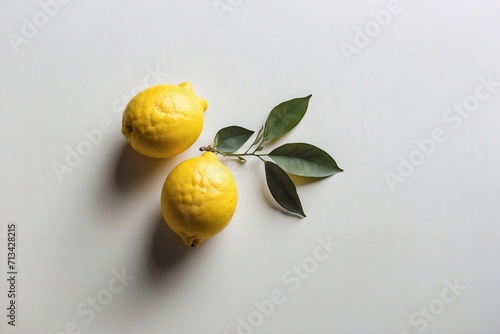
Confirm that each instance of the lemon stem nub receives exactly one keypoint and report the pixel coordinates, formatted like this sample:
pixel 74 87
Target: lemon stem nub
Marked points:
pixel 211 149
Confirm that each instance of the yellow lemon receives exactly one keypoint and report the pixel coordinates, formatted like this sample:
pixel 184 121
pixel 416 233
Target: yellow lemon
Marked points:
pixel 199 198
pixel 164 120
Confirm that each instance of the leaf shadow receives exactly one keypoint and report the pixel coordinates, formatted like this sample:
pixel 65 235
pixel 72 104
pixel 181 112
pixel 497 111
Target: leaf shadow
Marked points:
pixel 303 180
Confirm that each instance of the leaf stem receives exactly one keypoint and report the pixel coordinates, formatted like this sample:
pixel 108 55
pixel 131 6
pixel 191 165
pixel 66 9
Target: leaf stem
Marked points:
pixel 257 145
pixel 248 149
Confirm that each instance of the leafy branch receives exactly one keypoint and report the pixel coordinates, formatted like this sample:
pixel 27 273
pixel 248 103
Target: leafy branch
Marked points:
pixel 300 159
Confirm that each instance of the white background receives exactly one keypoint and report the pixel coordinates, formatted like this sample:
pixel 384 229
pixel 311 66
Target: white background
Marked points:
pixel 398 247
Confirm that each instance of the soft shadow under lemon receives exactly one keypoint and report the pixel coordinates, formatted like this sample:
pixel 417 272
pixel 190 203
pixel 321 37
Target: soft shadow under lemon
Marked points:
pixel 165 250
pixel 133 169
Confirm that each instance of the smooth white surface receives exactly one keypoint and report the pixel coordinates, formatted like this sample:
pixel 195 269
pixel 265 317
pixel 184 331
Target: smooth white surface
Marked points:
pixel 397 248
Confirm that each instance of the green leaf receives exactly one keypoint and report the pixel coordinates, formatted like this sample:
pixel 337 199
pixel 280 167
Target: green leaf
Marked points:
pixel 284 117
pixel 304 160
pixel 231 138
pixel 282 188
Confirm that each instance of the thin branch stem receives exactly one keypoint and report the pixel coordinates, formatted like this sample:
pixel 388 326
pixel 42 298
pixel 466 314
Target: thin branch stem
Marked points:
pixel 237 155
pixel 258 145
pixel 248 149
pixel 243 154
